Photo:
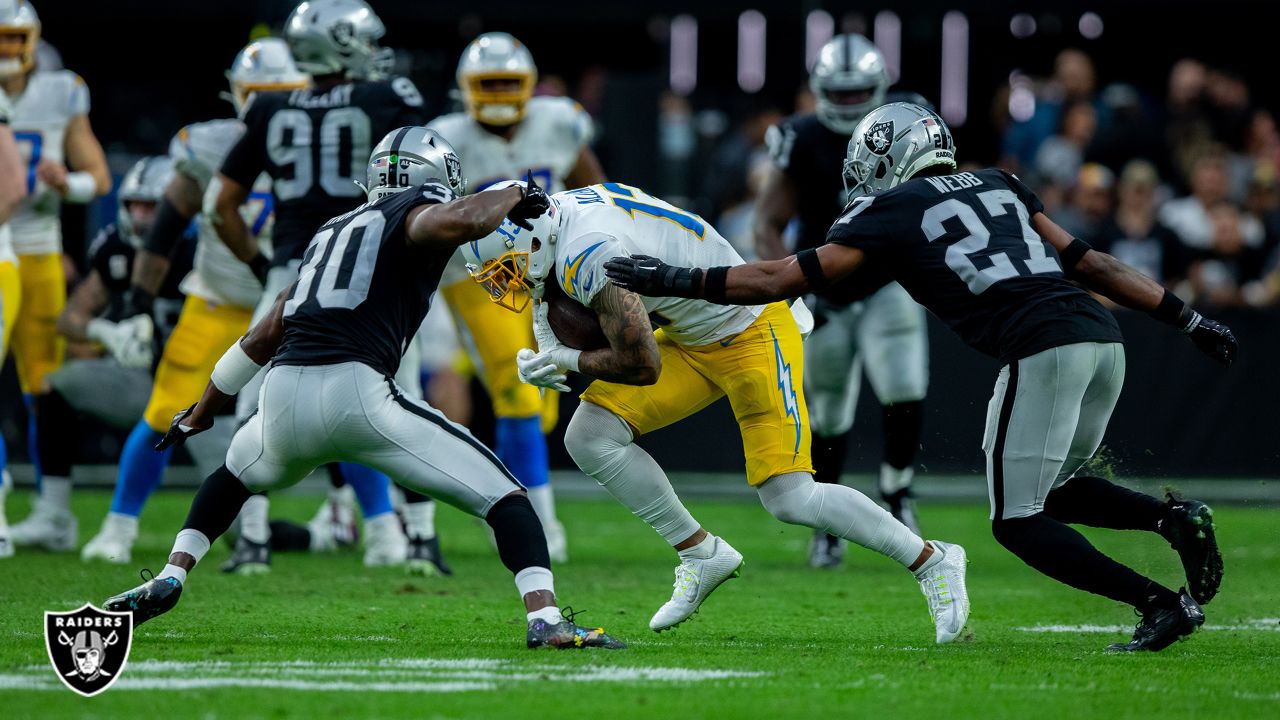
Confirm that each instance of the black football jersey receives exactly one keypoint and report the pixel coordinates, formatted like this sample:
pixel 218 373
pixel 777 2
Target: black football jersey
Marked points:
pixel 962 245
pixel 315 145
pixel 811 155
pixel 112 257
pixel 363 291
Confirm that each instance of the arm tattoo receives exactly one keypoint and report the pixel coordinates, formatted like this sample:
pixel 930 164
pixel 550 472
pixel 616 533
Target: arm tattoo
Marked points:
pixel 632 357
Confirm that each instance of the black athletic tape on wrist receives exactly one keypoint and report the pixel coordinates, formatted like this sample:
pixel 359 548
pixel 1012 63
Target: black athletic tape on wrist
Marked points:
pixel 1171 310
pixel 167 228
pixel 811 266
pixel 713 287
pixel 260 265
pixel 1073 253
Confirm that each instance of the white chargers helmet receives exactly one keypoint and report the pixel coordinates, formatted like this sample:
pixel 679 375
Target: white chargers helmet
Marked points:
pixel 496 76
pixel 262 66
pixel 331 37
pixel 892 144
pixel 848 80
pixel 409 156
pixel 18 17
pixel 512 262
pixel 139 195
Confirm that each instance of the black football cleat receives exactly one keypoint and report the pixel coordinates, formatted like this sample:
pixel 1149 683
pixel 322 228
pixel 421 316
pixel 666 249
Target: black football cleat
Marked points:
pixel 1161 627
pixel 151 598
pixel 1188 526
pixel 249 558
pixel 425 557
pixel 565 635
pixel 902 505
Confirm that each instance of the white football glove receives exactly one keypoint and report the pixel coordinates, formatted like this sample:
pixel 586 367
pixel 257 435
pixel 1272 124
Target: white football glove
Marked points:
pixel 128 341
pixel 565 358
pixel 540 370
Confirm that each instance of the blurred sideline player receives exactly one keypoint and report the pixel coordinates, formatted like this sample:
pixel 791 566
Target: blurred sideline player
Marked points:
pixel 312 143
pixel 13 188
pixel 221 292
pixel 862 322
pixel 1061 350
pixel 646 380
pixel 504 133
pixel 329 393
pixel 50 122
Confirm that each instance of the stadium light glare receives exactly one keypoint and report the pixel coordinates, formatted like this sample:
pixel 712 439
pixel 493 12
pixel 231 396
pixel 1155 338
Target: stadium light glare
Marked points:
pixel 954 95
pixel 1091 25
pixel 819 27
pixel 751 38
pixel 887 35
pixel 1022 25
pixel 684 54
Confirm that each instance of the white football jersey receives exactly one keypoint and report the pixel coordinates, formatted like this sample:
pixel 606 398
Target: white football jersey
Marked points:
pixel 600 222
pixel 39 121
pixel 6 236
pixel 547 141
pixel 217 274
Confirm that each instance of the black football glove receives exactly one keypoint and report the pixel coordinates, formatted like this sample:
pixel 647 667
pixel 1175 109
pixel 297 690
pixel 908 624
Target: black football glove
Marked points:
pixel 178 433
pixel 650 276
pixel 260 265
pixel 534 203
pixel 1212 338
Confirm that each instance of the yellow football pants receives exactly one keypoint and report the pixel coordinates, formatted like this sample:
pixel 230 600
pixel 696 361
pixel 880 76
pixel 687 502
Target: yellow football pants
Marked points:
pixel 37 346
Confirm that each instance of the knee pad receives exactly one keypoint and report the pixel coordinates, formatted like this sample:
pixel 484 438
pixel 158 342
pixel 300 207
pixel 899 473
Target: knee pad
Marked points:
pixel 596 439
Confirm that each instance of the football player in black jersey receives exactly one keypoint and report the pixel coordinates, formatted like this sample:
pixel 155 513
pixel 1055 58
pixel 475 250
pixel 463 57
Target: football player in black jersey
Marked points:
pixel 335 340
pixel 313 143
pixel 977 250
pixel 867 322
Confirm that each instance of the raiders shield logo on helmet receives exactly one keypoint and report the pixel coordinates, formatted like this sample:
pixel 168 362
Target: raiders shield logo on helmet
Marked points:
pixel 879 137
pixel 342 32
pixel 453 168
pixel 88 647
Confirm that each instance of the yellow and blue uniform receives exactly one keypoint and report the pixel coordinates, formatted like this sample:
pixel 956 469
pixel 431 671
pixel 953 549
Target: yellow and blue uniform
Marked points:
pixel 40 117
pixel 753 354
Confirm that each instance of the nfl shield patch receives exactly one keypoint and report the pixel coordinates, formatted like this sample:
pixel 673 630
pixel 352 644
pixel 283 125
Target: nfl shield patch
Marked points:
pixel 88 647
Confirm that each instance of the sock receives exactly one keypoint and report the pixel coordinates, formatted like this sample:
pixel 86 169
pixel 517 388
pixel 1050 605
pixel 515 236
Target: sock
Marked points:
pixel 933 559
pixel 56 431
pixel 701 551
pixel 518 534
pixel 903 424
pixel 544 503
pixel 601 444
pixel 290 537
pixel 521 446
pixel 828 456
pixel 893 480
pixel 1065 555
pixel 118 524
pixel 842 511
pixel 372 488
pixel 551 614
pixel 420 519
pixel 216 504
pixel 55 493
pixel 141 469
pixel 173 571
pixel 253 519
pixel 33 437
pixel 1095 502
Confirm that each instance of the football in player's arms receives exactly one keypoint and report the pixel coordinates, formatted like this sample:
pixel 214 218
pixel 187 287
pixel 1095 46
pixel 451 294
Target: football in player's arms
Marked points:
pixel 575 324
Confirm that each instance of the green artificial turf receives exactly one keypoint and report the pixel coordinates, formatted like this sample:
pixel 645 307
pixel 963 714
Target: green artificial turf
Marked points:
pixel 322 637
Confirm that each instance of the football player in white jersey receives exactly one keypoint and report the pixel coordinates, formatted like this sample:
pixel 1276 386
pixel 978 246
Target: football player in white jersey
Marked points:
pixel 13 187
pixel 646 380
pixel 221 290
pixel 504 133
pixel 50 122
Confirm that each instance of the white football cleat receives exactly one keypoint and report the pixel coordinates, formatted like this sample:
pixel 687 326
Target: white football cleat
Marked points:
pixel 114 542
pixel 54 529
pixel 334 524
pixel 695 580
pixel 557 545
pixel 384 541
pixel 943 586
